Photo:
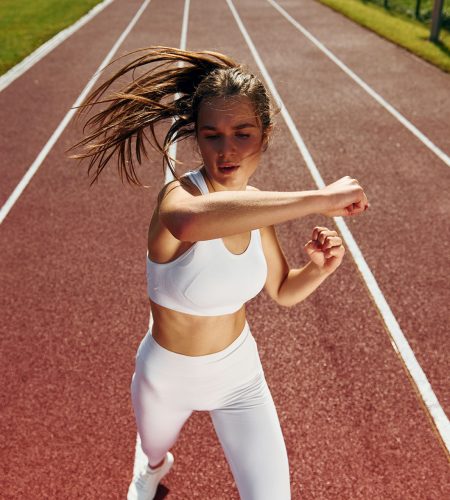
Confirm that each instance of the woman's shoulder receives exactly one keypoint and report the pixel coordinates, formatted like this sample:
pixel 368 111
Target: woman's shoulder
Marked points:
pixel 184 182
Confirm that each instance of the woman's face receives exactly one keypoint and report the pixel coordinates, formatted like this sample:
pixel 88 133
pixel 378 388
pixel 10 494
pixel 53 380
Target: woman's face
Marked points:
pixel 230 141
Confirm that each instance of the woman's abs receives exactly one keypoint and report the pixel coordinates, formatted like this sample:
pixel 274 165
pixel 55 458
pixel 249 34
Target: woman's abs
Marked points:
pixel 195 335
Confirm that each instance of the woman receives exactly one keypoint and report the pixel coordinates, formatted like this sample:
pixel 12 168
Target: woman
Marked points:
pixel 211 248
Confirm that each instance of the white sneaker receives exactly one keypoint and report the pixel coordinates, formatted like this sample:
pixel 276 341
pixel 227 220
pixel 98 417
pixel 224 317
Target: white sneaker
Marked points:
pixel 144 486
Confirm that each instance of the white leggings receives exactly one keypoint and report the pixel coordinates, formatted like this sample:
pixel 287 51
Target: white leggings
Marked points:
pixel 167 387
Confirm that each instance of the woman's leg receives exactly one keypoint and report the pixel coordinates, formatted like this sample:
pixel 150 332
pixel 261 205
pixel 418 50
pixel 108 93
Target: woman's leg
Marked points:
pixel 155 397
pixel 250 433
pixel 158 422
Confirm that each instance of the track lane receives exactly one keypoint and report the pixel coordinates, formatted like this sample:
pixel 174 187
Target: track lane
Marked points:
pixel 369 349
pixel 400 344
pixel 34 167
pixel 50 88
pixel 346 131
pixel 75 310
pixel 413 86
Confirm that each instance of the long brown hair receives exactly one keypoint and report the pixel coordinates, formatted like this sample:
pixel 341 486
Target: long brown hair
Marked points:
pixel 152 98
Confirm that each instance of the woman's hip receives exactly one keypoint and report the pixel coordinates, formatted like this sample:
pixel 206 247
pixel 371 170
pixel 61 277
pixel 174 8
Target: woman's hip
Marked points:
pixel 209 377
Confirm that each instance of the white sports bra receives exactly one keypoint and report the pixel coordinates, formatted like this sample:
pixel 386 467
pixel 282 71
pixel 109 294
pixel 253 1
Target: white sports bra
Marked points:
pixel 208 279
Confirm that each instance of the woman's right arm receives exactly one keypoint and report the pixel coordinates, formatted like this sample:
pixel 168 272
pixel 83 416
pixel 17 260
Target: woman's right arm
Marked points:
pixel 224 213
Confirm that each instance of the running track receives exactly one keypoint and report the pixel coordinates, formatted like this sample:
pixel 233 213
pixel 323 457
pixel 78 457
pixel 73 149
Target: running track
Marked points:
pixel 73 268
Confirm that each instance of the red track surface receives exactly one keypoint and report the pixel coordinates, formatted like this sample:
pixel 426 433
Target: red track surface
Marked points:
pixel 73 268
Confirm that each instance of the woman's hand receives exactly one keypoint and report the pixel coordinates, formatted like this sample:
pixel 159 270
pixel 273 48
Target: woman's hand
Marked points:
pixel 344 197
pixel 325 249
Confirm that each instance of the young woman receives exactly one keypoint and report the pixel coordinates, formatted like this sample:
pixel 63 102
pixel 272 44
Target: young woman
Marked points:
pixel 211 248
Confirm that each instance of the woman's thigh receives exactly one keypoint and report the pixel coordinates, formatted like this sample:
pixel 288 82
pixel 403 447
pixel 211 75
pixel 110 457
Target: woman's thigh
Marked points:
pixel 250 433
pixel 158 422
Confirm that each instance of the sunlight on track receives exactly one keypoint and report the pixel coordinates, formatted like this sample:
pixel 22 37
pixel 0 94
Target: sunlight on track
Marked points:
pixel 430 145
pixel 396 335
pixel 65 121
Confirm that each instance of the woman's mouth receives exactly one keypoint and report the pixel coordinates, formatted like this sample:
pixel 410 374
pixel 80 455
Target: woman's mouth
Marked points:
pixel 228 168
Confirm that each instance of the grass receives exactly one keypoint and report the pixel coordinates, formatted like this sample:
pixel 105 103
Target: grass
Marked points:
pixel 27 24
pixel 408 33
pixel 408 8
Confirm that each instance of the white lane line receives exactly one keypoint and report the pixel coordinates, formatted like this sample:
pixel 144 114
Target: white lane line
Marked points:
pixel 140 459
pixel 184 28
pixel 65 121
pixel 405 122
pixel 20 68
pixel 397 337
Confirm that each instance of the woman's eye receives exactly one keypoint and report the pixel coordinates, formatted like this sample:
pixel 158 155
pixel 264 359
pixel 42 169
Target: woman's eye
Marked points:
pixel 216 136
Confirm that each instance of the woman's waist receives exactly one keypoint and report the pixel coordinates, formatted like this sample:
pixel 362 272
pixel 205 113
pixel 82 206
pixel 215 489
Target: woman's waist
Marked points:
pixel 236 364
pixel 195 335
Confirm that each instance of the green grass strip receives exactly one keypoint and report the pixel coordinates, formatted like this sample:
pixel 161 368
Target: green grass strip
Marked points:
pixel 26 24
pixel 408 33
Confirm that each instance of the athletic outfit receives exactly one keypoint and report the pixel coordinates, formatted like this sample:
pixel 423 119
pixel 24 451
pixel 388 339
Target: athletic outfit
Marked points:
pixel 209 280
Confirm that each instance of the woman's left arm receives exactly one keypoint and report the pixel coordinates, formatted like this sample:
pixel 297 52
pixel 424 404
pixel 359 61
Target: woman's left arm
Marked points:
pixel 290 286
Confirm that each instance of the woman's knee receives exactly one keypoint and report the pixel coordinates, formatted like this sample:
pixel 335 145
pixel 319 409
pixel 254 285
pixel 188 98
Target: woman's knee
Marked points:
pixel 267 479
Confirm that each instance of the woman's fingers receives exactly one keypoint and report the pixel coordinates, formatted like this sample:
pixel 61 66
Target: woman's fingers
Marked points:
pixel 325 249
pixel 358 207
pixel 334 252
pixel 361 204
pixel 346 197
pixel 310 246
pixel 324 237
pixel 331 241
pixel 316 232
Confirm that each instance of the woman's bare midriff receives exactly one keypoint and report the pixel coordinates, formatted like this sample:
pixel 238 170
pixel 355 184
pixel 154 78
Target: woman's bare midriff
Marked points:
pixel 195 335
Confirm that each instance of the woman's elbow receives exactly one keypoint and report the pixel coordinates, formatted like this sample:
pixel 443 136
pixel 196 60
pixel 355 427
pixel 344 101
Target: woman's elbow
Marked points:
pixel 280 299
pixel 179 224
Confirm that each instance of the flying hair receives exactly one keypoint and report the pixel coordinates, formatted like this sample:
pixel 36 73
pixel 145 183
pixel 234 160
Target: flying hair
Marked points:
pixel 171 89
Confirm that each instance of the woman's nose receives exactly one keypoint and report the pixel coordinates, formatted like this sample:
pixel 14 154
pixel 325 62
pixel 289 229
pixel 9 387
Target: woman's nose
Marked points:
pixel 226 146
